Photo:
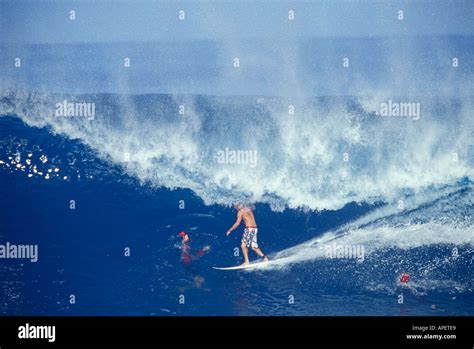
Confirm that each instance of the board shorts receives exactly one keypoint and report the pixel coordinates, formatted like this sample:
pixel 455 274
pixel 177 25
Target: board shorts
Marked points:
pixel 249 238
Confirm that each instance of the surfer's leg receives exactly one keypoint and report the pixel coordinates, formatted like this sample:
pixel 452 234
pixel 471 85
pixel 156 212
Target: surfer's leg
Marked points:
pixel 254 244
pixel 245 252
pixel 260 253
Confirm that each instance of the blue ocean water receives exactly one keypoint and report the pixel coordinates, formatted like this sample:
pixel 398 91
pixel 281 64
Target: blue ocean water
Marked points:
pixel 347 199
pixel 139 173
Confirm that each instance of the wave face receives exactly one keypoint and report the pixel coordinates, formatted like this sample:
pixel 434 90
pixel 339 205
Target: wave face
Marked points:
pixel 329 152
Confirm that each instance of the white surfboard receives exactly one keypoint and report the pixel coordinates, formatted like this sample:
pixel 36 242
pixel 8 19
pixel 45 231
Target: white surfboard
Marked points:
pixel 250 266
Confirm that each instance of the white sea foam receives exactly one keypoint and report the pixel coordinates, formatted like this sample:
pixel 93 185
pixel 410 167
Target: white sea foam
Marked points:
pixel 300 157
pixel 447 220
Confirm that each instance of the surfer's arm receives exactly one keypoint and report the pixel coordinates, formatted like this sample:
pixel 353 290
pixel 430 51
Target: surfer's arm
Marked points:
pixel 236 224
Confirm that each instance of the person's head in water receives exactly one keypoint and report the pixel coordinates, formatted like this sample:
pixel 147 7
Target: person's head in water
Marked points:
pixel 184 236
pixel 238 206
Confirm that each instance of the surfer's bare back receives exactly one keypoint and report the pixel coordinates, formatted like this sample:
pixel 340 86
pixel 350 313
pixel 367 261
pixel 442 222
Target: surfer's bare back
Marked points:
pixel 249 238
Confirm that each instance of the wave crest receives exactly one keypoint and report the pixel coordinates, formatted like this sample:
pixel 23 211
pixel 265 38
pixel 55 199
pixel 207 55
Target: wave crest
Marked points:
pixel 329 152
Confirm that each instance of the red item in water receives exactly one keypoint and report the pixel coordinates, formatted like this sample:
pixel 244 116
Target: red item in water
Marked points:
pixel 182 234
pixel 404 278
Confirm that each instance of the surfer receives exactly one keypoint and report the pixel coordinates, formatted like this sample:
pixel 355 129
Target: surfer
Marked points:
pixel 249 238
